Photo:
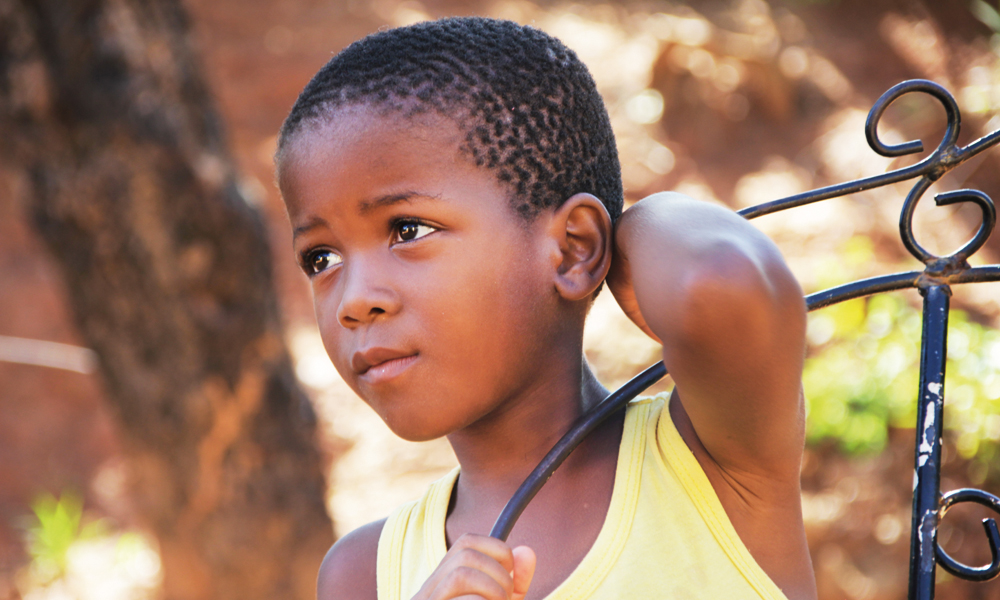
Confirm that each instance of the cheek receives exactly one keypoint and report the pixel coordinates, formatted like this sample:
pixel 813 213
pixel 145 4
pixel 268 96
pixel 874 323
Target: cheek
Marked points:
pixel 491 311
pixel 325 305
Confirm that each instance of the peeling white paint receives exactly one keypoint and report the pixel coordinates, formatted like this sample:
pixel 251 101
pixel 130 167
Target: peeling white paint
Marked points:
pixel 934 388
pixel 928 522
pixel 927 442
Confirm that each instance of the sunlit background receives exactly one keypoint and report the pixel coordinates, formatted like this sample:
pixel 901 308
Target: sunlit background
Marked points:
pixel 735 102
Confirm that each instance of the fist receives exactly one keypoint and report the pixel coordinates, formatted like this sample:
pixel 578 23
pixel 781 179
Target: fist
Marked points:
pixel 481 567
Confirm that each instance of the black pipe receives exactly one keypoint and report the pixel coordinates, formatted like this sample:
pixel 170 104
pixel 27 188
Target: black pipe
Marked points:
pixel 930 407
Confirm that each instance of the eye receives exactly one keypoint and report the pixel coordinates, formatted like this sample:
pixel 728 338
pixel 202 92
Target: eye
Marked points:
pixel 407 231
pixel 317 261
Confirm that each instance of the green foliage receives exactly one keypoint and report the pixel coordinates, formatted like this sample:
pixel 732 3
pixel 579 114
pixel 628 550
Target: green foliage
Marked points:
pixel 862 376
pixel 990 16
pixel 73 557
pixel 57 525
pixel 986 13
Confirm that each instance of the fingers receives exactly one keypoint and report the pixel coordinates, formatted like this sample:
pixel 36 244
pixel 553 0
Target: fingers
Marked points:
pixel 492 547
pixel 481 567
pixel 467 581
pixel 524 570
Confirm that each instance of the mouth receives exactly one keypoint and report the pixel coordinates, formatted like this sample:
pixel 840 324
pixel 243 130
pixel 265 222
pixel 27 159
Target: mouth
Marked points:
pixel 380 364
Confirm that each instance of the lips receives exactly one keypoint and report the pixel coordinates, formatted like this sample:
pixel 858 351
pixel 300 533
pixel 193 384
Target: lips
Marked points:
pixel 381 363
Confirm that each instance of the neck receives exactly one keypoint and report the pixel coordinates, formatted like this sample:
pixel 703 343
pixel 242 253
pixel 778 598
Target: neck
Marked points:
pixel 499 451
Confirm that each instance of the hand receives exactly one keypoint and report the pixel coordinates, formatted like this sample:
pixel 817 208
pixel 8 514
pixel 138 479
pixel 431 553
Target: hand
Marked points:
pixel 478 566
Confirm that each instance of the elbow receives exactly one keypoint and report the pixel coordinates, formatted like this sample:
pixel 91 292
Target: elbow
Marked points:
pixel 737 294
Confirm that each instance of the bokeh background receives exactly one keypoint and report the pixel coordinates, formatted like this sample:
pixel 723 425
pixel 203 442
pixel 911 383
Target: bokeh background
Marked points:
pixel 736 102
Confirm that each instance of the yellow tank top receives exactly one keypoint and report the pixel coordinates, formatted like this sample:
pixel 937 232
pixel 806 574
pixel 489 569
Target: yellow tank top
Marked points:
pixel 666 534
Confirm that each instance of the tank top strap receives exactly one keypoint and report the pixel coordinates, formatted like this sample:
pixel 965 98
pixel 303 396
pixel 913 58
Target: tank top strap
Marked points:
pixel 414 531
pixel 606 550
pixel 389 564
pixel 698 488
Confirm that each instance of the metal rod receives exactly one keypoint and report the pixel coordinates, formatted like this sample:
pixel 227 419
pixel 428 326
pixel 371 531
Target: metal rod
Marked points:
pixel 992 535
pixel 865 287
pixel 835 191
pixel 927 469
pixel 584 425
pixel 893 282
pixel 944 158
pixel 618 399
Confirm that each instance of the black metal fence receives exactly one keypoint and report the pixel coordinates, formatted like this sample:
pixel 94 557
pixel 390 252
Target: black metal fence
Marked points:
pixel 933 282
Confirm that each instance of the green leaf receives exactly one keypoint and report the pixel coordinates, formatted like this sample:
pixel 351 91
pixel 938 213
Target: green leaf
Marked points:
pixel 986 13
pixel 56 528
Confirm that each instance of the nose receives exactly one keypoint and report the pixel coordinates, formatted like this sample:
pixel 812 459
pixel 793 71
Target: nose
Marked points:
pixel 366 296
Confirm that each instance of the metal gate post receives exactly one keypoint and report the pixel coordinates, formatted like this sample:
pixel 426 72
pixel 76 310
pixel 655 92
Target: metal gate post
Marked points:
pixel 927 464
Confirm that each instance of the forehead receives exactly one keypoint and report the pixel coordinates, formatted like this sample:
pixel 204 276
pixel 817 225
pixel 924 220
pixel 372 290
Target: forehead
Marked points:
pixel 365 128
pixel 360 151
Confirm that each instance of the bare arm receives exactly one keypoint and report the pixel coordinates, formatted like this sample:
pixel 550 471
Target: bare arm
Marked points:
pixel 348 571
pixel 717 293
pixel 731 318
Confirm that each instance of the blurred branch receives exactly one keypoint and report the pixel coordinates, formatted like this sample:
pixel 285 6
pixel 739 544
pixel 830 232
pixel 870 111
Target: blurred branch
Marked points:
pixel 47 354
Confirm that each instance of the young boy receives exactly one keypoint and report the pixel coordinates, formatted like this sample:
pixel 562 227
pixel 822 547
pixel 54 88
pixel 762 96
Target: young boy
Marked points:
pixel 455 194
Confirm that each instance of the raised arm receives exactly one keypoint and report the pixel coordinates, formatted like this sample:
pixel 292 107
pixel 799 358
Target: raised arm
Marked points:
pixel 731 317
pixel 717 294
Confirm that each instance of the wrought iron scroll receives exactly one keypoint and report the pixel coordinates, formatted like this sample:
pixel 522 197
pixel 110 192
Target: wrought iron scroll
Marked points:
pixel 933 282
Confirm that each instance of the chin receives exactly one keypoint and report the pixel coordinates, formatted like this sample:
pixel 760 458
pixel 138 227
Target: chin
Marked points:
pixel 421 417
pixel 414 427
pixel 414 432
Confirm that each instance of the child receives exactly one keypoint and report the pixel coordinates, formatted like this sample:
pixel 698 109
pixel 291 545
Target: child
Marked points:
pixel 455 194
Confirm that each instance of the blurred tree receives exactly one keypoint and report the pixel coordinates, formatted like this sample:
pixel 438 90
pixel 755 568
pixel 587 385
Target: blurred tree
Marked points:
pixel 106 120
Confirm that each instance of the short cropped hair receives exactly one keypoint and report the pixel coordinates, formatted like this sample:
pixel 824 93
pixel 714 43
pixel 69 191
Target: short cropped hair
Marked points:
pixel 527 105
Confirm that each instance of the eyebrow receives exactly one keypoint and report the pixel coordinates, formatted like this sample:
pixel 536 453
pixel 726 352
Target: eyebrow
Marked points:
pixel 365 207
pixel 368 206
pixel 311 223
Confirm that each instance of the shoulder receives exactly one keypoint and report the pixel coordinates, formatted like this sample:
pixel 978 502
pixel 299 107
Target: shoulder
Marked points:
pixel 348 571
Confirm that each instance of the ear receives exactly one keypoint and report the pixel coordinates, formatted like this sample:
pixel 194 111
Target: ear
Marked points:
pixel 582 229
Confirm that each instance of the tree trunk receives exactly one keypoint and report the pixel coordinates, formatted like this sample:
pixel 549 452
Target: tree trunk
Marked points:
pixel 105 116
